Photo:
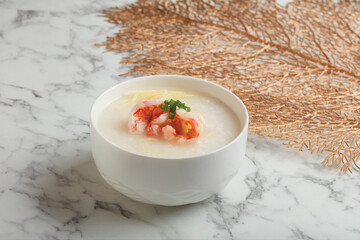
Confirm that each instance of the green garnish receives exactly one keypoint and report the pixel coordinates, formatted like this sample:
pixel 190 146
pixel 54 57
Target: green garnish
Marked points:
pixel 172 105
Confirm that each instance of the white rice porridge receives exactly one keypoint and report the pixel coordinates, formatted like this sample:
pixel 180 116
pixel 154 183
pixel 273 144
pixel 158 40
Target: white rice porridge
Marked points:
pixel 222 125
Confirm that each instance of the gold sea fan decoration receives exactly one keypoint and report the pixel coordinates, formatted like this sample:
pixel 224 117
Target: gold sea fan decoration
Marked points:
pixel 296 67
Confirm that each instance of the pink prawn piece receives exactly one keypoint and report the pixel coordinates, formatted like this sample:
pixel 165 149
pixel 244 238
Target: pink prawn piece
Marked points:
pixel 192 126
pixel 154 128
pixel 142 114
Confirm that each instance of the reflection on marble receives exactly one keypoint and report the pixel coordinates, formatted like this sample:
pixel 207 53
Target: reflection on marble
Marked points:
pixel 50 73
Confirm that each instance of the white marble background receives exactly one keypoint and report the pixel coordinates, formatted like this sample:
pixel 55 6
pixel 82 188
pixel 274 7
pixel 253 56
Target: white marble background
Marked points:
pixel 50 73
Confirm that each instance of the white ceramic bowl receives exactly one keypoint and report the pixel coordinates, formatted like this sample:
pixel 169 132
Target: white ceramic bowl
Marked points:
pixel 175 181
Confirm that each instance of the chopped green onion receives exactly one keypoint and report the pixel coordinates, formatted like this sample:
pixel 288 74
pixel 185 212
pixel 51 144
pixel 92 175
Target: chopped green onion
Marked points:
pixel 171 115
pixel 164 107
pixel 170 106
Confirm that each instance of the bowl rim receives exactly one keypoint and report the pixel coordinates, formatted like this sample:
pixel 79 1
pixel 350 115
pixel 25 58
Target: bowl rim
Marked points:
pixel 242 132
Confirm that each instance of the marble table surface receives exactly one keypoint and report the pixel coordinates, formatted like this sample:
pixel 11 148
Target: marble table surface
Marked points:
pixel 50 74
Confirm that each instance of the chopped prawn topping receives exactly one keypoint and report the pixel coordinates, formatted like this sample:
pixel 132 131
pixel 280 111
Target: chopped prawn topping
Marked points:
pixel 148 118
pixel 143 113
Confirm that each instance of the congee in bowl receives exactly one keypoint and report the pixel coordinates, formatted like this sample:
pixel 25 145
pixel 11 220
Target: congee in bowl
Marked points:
pixel 168 139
